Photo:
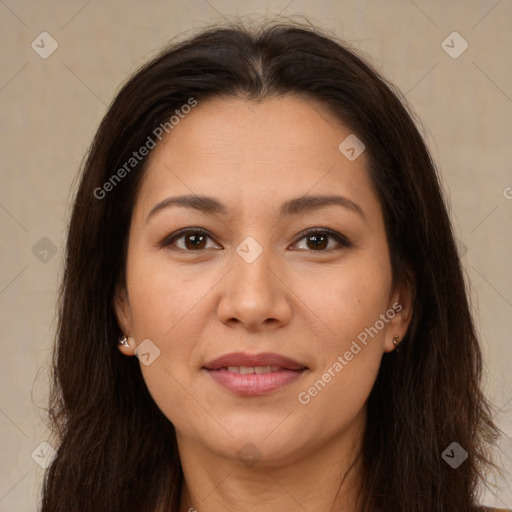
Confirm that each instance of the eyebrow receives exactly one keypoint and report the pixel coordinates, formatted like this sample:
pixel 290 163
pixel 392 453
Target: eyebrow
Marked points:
pixel 303 204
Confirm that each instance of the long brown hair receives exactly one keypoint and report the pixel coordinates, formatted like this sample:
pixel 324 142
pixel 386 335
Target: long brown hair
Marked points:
pixel 116 449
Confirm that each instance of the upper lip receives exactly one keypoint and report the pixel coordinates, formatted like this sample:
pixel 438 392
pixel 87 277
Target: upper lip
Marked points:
pixel 262 359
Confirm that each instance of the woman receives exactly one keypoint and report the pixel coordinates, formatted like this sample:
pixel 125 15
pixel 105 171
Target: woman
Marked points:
pixel 260 223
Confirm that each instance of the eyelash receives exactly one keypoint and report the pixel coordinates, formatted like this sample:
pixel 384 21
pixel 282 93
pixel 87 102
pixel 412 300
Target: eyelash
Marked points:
pixel 342 240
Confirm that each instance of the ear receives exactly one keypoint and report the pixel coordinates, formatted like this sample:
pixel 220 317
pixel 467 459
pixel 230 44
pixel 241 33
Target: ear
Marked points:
pixel 402 304
pixel 123 313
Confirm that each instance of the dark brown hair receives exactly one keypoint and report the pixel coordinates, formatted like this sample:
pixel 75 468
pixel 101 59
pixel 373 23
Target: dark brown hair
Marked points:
pixel 116 449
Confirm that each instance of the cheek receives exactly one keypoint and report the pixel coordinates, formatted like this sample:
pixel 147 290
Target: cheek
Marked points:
pixel 163 295
pixel 349 300
pixel 166 308
pixel 351 350
pixel 167 304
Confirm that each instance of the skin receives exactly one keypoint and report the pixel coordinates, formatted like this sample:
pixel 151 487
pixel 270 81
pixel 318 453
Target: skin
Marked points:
pixel 305 303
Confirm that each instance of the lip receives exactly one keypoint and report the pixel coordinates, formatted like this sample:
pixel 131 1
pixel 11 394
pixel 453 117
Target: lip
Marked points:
pixel 262 359
pixel 254 384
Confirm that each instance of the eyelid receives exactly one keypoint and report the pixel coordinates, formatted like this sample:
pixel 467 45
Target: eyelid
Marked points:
pixel 170 239
pixel 340 239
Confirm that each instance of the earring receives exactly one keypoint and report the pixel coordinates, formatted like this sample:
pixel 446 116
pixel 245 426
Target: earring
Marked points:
pixel 123 340
pixel 396 341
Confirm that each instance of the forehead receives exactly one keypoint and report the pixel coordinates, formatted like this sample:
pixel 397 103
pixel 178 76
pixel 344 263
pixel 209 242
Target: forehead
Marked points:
pixel 243 150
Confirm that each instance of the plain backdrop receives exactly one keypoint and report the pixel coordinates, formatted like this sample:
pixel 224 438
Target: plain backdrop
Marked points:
pixel 50 108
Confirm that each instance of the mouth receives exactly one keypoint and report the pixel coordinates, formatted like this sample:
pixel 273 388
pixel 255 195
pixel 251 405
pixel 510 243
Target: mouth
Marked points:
pixel 254 374
pixel 267 360
pixel 247 370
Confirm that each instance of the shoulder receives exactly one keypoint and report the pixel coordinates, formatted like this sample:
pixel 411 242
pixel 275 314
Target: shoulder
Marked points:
pixel 497 510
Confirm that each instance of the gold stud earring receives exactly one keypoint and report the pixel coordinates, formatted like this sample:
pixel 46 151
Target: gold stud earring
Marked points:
pixel 396 341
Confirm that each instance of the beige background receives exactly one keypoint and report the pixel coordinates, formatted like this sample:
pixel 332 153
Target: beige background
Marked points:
pixel 50 109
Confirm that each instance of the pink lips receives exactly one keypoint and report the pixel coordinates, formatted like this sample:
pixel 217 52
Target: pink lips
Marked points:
pixel 284 371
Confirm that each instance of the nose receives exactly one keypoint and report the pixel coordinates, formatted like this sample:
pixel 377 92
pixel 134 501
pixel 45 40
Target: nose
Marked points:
pixel 255 295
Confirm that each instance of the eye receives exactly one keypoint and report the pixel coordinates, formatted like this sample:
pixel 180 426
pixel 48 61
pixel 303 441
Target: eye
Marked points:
pixel 194 239
pixel 318 240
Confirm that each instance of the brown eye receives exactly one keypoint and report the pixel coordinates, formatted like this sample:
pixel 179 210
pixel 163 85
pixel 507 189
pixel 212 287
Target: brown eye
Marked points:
pixel 318 240
pixel 195 241
pixel 190 240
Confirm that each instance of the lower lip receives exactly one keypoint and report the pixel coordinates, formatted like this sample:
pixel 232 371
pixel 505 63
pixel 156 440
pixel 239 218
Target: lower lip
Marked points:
pixel 254 383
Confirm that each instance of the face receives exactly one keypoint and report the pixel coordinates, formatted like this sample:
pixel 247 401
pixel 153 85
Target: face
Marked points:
pixel 266 265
